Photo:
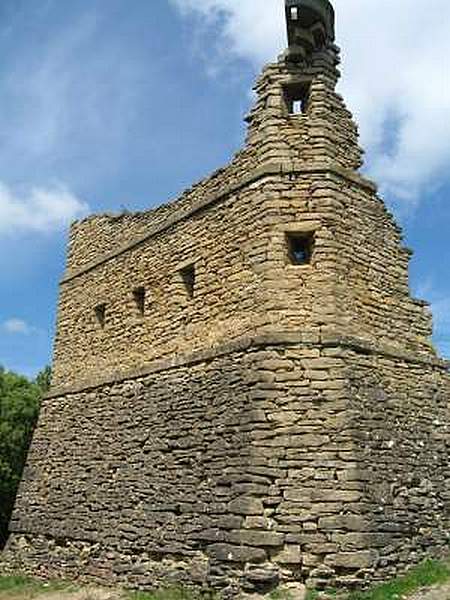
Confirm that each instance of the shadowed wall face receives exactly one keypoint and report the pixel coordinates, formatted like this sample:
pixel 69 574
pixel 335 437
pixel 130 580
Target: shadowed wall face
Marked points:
pixel 274 464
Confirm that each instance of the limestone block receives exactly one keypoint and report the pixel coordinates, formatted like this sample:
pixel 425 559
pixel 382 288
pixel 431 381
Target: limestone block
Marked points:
pixel 256 538
pixel 245 505
pixel 346 522
pixel 256 523
pixel 239 554
pixel 352 560
pixel 291 554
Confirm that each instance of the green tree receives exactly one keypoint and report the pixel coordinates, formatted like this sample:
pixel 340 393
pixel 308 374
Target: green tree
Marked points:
pixel 19 408
pixel 43 379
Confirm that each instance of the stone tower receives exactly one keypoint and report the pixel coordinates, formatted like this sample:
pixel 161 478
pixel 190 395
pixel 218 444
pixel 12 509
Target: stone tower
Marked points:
pixel 245 392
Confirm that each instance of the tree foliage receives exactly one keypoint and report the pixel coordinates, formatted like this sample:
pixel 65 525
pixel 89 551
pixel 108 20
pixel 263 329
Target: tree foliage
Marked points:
pixel 19 408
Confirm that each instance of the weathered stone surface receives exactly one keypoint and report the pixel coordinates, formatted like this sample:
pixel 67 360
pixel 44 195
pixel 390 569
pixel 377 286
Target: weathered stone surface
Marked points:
pixel 256 538
pixel 255 421
pixel 257 523
pixel 352 560
pixel 246 506
pixel 344 522
pixel 290 555
pixel 240 554
pixel 264 576
pixel 295 591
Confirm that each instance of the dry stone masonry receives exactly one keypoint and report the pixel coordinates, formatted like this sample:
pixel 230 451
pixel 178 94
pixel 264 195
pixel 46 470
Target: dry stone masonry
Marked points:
pixel 245 393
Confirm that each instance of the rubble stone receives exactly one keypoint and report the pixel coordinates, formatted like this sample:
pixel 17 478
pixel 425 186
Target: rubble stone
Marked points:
pixel 249 421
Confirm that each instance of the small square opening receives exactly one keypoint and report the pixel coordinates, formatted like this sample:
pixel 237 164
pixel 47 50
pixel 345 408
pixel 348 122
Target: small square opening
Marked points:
pixel 188 277
pixel 300 248
pixel 296 96
pixel 100 314
pixel 139 299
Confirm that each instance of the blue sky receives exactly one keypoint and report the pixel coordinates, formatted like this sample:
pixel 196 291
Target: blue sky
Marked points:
pixel 108 104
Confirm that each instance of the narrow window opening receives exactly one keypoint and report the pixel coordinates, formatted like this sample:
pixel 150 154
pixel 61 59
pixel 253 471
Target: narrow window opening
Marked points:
pixel 300 248
pixel 188 277
pixel 297 97
pixel 139 299
pixel 100 314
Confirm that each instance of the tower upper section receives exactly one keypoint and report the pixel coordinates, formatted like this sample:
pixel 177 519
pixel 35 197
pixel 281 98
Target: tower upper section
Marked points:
pixel 287 239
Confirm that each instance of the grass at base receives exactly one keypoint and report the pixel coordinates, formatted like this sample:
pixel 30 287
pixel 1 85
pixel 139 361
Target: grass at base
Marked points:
pixel 15 585
pixel 14 582
pixel 427 574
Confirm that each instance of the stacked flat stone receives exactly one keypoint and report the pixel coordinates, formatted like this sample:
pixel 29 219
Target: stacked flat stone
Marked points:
pixel 285 424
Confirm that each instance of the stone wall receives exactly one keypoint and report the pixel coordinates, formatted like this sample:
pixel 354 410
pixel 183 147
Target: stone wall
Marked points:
pixel 224 225
pixel 245 284
pixel 225 303
pixel 286 462
pixel 296 173
pixel 402 437
pixel 325 133
pixel 274 422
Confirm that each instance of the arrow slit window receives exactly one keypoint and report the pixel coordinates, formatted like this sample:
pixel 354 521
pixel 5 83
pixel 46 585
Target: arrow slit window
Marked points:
pixel 100 314
pixel 188 278
pixel 139 299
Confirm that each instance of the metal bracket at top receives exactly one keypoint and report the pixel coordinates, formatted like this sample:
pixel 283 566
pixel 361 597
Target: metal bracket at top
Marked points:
pixel 310 26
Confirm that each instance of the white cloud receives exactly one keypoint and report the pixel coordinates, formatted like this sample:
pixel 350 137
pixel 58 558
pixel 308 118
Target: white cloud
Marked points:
pixel 395 76
pixel 39 209
pixel 17 326
pixel 252 30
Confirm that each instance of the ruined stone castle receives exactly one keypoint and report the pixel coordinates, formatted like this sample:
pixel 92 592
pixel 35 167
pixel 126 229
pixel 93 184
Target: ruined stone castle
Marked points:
pixel 245 392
